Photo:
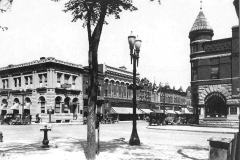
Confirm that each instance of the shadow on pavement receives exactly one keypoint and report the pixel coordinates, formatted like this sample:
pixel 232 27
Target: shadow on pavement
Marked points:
pixel 196 148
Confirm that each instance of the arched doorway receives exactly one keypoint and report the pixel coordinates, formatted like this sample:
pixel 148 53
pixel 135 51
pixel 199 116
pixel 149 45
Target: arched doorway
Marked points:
pixel 16 106
pixel 66 107
pixel 27 105
pixel 215 105
pixel 58 101
pixel 42 102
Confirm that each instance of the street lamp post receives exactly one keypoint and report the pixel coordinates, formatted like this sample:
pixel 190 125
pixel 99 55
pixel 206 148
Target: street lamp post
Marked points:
pixel 50 112
pixel 134 45
pixel 22 93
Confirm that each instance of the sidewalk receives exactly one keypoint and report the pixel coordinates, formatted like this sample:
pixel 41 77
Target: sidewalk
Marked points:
pixel 115 149
pixel 195 129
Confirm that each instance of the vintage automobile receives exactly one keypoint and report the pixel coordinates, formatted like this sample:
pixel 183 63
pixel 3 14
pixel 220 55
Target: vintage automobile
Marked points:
pixel 170 120
pixel 16 119
pixel 157 118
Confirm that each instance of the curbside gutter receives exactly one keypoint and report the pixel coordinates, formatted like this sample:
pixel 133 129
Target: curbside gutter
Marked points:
pixel 188 130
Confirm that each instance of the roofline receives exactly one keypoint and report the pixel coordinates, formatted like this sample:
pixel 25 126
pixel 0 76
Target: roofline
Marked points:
pixel 41 61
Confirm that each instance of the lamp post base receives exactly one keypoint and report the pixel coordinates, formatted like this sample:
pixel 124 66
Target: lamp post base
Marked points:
pixel 134 140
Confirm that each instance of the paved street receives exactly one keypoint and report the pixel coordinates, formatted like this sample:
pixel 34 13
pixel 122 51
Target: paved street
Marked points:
pixel 69 142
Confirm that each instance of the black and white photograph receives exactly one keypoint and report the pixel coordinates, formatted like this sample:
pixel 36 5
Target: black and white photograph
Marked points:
pixel 119 80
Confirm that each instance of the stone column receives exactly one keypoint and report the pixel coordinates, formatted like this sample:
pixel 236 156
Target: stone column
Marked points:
pixel 17 82
pixel 29 82
pixel 50 78
pixel 22 81
pixel 62 79
pixel 54 78
pixel 70 81
pixel 238 110
pixel 34 79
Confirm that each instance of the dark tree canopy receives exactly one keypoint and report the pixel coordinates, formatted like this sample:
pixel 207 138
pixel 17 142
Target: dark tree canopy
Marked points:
pixel 5 5
pixel 81 8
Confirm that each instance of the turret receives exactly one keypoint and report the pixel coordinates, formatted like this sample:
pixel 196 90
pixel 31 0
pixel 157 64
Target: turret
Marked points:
pixel 201 31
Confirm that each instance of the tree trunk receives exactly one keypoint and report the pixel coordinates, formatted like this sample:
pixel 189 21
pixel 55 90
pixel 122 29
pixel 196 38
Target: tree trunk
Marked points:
pixel 93 84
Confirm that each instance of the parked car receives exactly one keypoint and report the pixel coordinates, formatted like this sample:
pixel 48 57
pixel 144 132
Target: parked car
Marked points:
pixel 16 119
pixel 157 118
pixel 170 120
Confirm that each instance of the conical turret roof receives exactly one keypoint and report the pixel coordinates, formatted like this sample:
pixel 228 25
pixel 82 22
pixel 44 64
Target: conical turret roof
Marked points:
pixel 201 23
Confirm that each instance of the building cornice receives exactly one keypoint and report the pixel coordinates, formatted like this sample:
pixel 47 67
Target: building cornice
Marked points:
pixel 214 56
pixel 41 61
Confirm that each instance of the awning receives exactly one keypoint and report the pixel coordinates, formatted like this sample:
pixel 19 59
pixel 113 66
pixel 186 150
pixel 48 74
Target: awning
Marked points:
pixel 3 107
pixel 158 111
pixel 186 111
pixel 122 110
pixel 178 112
pixel 27 106
pixel 170 111
pixel 15 106
pixel 146 111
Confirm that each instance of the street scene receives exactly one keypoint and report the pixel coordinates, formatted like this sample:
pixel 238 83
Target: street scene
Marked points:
pixel 119 79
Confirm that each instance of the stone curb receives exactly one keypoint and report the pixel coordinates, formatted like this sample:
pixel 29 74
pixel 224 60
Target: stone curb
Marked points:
pixel 223 132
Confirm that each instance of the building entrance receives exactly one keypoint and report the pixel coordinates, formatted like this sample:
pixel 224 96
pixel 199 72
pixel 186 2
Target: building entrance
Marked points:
pixel 215 106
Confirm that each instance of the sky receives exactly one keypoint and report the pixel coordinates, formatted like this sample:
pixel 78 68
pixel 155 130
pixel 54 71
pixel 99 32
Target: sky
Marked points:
pixel 39 28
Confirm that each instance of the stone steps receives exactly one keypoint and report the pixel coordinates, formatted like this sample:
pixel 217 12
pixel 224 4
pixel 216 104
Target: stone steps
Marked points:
pixel 228 123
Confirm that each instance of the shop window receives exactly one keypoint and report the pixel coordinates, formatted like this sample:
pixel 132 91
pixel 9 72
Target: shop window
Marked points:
pixel 233 110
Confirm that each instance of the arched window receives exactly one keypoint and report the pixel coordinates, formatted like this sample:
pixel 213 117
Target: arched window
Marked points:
pixel 58 101
pixel 42 102
pixel 106 88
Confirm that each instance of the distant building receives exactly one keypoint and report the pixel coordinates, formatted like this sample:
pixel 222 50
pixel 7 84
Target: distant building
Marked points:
pixel 117 95
pixel 171 100
pixel 214 73
pixel 37 86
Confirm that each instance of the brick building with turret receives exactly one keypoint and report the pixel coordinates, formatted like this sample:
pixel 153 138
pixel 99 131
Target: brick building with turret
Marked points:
pixel 214 74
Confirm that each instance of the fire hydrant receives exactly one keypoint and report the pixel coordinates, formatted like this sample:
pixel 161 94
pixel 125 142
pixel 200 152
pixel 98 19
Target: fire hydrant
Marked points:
pixel 1 137
pixel 45 141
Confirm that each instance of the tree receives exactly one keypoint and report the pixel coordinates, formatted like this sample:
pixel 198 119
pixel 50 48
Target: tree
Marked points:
pixel 5 5
pixel 93 13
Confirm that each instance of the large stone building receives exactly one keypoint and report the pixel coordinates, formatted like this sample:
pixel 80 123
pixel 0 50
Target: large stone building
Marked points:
pixel 214 73
pixel 36 86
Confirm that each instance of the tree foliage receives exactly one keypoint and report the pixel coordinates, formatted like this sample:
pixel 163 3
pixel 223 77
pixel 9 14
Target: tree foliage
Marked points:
pixel 5 5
